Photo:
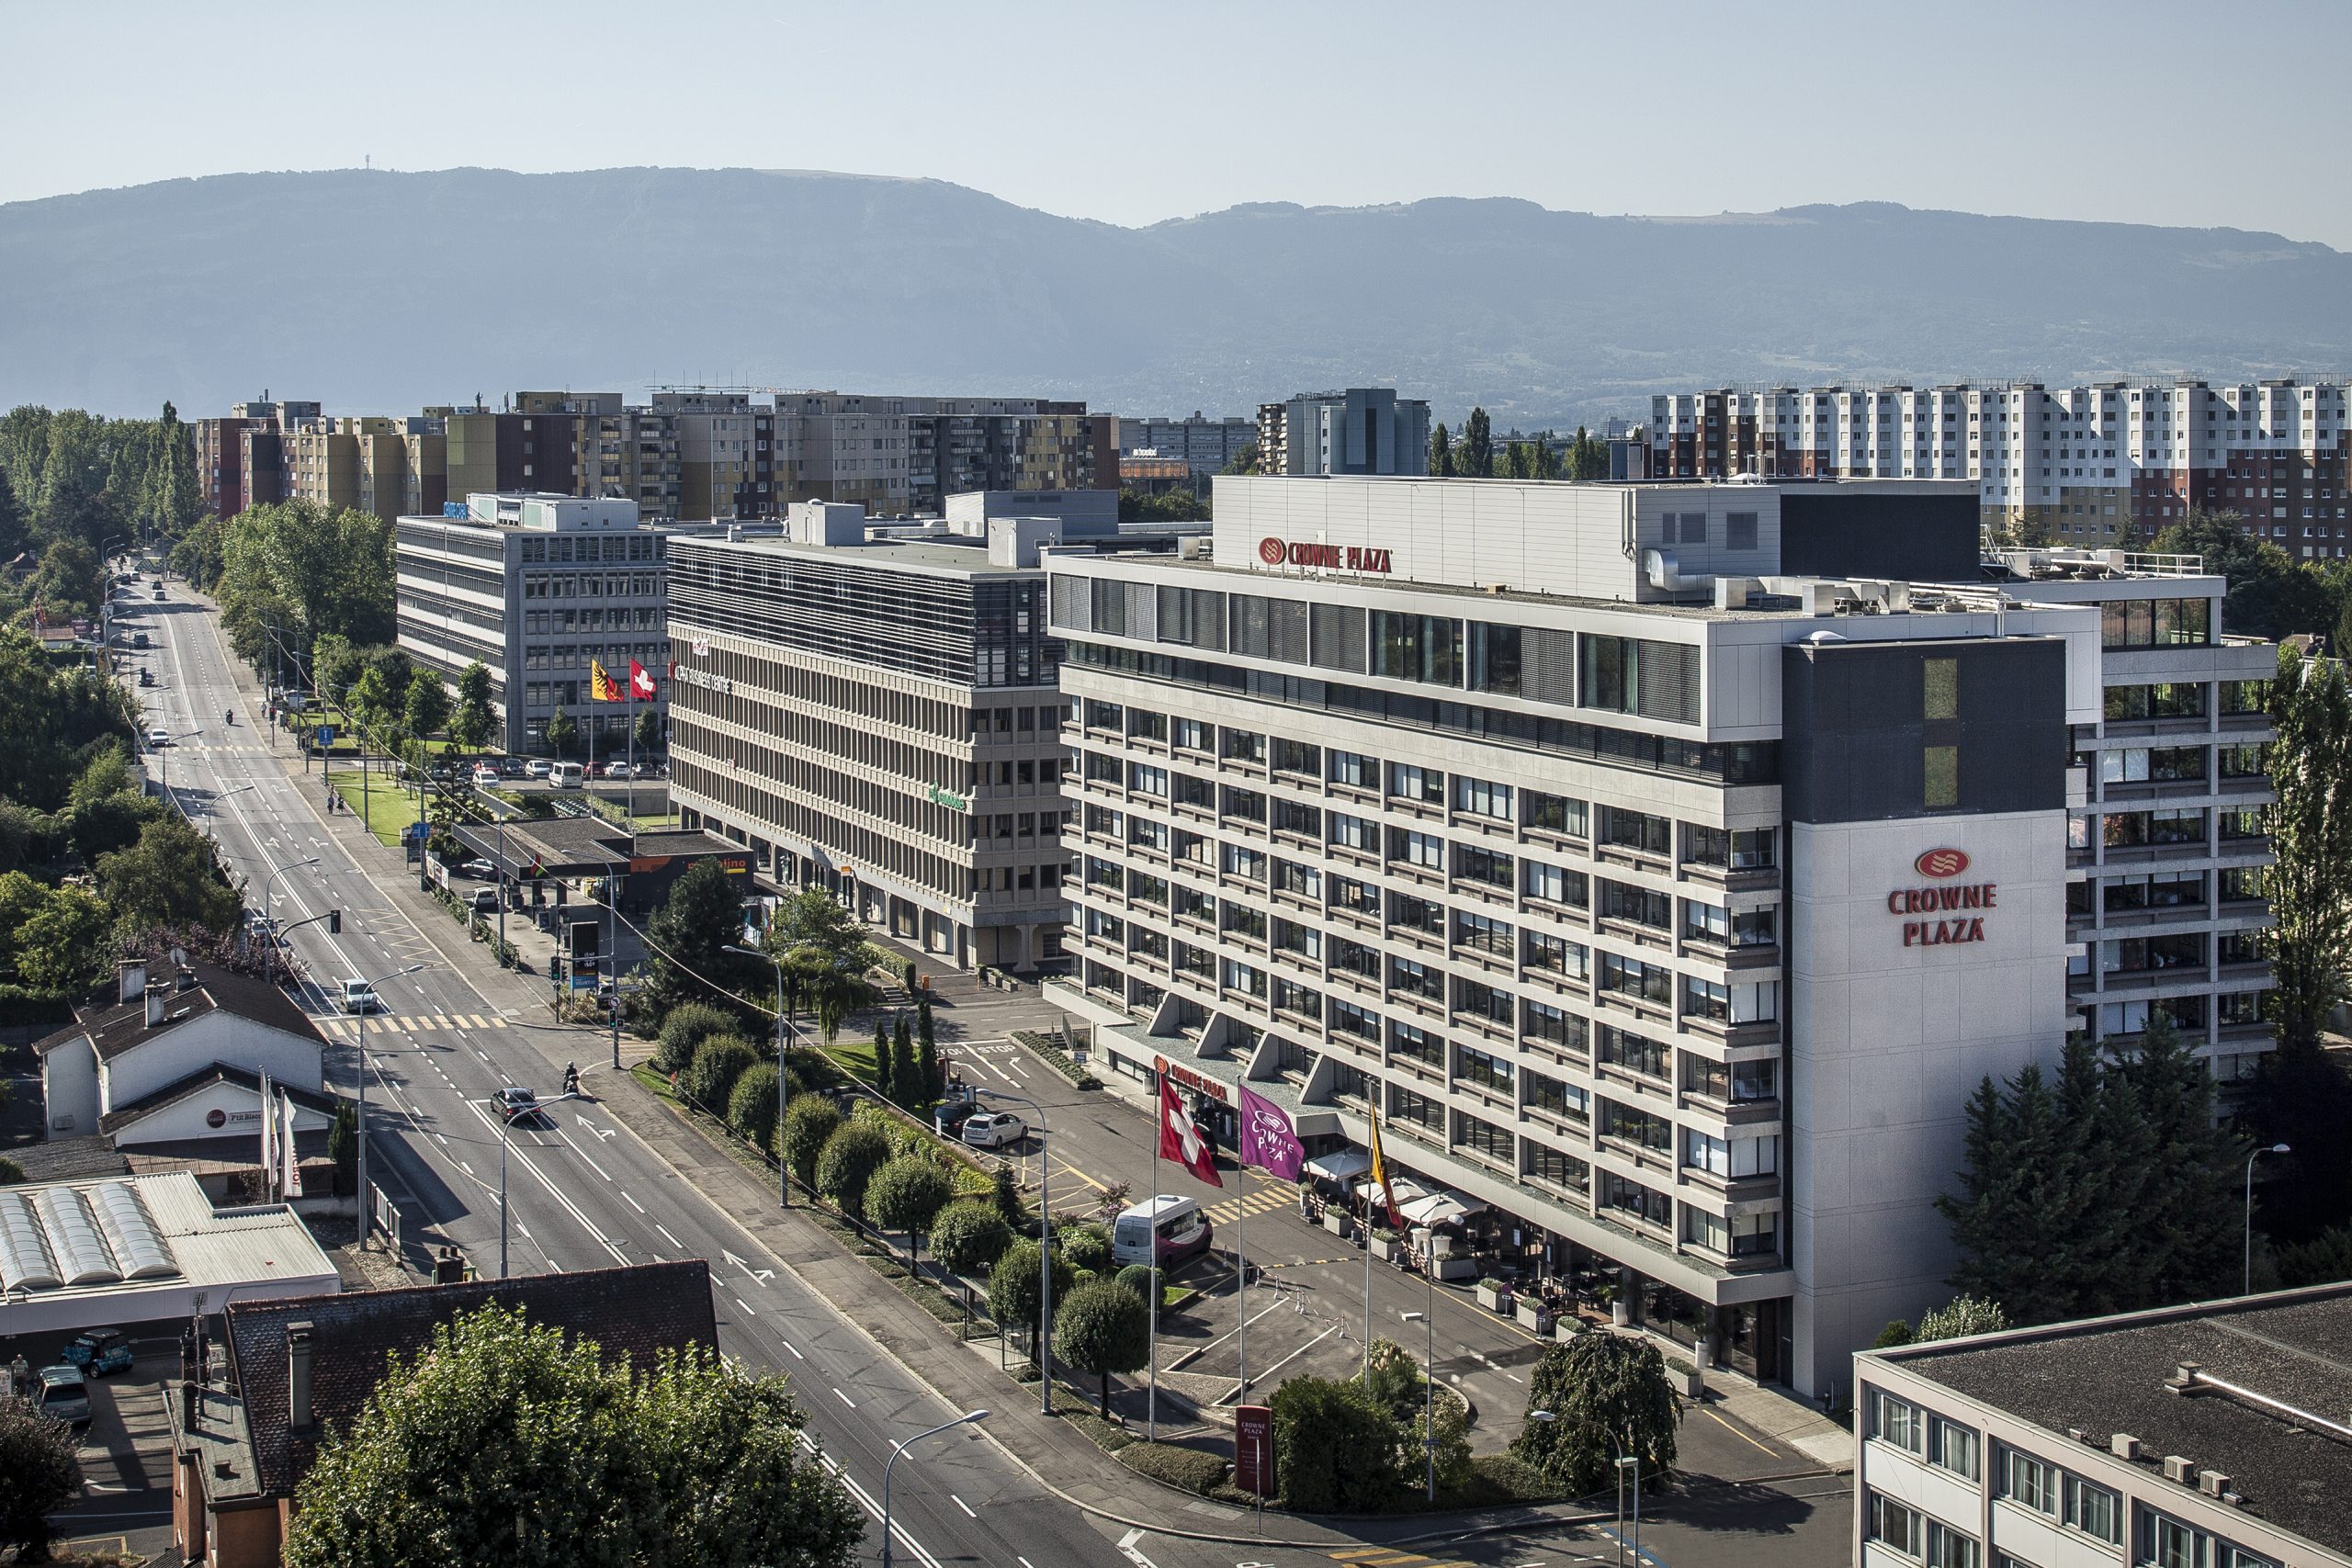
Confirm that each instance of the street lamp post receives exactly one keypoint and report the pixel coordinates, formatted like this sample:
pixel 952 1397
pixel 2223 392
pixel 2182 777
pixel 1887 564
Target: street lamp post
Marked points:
pixel 505 1131
pixel 1045 1254
pixel 165 751
pixel 268 882
pixel 2247 1285
pixel 783 1175
pixel 901 1447
pixel 1429 1399
pixel 1629 1464
pixel 360 1110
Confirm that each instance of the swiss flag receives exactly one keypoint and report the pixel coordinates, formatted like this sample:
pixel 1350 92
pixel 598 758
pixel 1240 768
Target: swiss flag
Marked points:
pixel 640 681
pixel 1181 1141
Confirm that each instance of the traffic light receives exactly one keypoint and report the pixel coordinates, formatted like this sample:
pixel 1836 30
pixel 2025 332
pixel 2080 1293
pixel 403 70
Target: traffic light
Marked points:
pixel 334 923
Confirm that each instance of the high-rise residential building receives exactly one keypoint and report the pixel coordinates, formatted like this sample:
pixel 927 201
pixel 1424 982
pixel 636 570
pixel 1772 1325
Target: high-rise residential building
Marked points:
pixel 491 452
pixel 1207 445
pixel 535 587
pixel 2210 1436
pixel 1667 862
pixel 1365 429
pixel 243 460
pixel 2096 466
pixel 727 453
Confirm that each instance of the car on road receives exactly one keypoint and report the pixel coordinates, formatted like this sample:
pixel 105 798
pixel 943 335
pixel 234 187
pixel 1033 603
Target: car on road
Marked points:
pixel 485 774
pixel 539 768
pixel 485 901
pixel 992 1130
pixel 98 1351
pixel 478 870
pixel 158 738
pixel 517 1105
pixel 64 1396
pixel 140 639
pixel 158 593
pixel 359 997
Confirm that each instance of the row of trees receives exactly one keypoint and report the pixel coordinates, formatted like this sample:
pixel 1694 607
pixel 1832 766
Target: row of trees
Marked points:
pixel 290 574
pixel 1540 456
pixel 68 474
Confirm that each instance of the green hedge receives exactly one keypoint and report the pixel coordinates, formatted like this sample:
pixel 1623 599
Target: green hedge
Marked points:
pixel 1187 1469
pixel 1057 1058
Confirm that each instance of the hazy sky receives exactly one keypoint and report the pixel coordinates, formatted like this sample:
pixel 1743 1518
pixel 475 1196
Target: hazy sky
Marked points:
pixel 2207 113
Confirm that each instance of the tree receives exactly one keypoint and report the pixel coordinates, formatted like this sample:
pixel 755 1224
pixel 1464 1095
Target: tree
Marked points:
pixel 824 955
pixel 1474 457
pixel 1087 1246
pixel 343 1148
pixel 651 739
pixel 473 723
pixel 2187 1200
pixel 562 732
pixel 720 1060
pixel 424 712
pixel 1334 1446
pixel 689 939
pixel 2323 1260
pixel 2301 1097
pixel 1959 1319
pixel 1897 1333
pixel 908 1194
pixel 1004 1191
pixel 1441 453
pixel 12 520
pixel 62 946
pixel 501 1443
pixel 1587 456
pixel 2270 595
pixel 684 1029
pixel 855 1151
pixel 38 1456
pixel 1014 1284
pixel 1102 1327
pixel 172 876
pixel 926 1056
pixel 1244 461
pixel 750 1106
pixel 2309 941
pixel 810 1122
pixel 906 1088
pixel 11 1172
pixel 70 581
pixel 1609 1396
pixel 969 1235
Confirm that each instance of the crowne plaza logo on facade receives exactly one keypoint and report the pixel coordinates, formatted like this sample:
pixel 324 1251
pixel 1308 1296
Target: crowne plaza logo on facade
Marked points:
pixel 1949 900
pixel 1331 558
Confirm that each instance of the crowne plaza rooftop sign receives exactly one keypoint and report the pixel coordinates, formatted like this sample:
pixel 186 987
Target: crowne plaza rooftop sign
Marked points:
pixel 1329 557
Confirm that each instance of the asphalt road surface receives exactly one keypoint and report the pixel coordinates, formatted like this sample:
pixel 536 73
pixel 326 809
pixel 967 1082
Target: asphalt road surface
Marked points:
pixel 583 1192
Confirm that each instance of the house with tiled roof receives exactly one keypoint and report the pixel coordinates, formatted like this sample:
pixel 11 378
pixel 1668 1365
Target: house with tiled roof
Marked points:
pixel 297 1370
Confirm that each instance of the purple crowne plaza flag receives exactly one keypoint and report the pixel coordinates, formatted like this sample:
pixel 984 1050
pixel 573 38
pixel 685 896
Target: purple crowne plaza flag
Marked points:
pixel 1267 1139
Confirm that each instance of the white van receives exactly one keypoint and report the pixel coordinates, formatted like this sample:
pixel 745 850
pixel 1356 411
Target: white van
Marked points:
pixel 568 775
pixel 1184 1231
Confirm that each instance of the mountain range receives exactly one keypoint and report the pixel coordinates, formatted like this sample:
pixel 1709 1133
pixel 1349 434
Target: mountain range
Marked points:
pixel 375 291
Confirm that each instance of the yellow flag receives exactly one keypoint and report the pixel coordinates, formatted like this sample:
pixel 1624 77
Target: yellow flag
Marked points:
pixel 1380 1169
pixel 601 687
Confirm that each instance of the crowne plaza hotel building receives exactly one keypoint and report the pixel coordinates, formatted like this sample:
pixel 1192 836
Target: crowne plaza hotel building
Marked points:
pixel 1668 863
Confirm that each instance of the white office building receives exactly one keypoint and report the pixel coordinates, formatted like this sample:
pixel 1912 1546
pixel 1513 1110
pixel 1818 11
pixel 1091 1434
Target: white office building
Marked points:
pixel 1669 861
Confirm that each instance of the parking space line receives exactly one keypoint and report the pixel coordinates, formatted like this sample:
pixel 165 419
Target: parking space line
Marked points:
pixel 1738 1433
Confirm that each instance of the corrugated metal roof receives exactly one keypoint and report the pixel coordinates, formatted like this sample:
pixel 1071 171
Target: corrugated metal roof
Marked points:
pixel 93 1236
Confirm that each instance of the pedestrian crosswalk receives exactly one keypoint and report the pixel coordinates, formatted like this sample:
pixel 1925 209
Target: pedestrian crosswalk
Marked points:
pixel 423 1022
pixel 1257 1202
pixel 1382 1557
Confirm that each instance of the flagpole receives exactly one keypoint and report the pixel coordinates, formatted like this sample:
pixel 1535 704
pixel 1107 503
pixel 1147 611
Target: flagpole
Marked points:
pixel 1151 1194
pixel 1241 1284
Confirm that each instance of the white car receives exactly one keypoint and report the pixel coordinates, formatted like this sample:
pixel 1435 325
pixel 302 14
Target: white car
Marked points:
pixel 540 768
pixel 992 1130
pixel 619 771
pixel 359 997
pixel 158 738
pixel 485 774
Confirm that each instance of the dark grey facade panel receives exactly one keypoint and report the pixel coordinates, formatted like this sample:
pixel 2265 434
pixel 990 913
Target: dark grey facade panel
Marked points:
pixel 1916 538
pixel 1856 737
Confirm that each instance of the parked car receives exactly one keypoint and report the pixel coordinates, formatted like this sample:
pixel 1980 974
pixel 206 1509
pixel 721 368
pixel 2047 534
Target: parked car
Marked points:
pixel 477 869
pixel 98 1351
pixel 359 997
pixel 512 768
pixel 485 901
pixel 993 1129
pixel 949 1116
pixel 594 770
pixel 517 1105
pixel 64 1396
pixel 485 774
pixel 619 771
pixel 539 768
pixel 443 773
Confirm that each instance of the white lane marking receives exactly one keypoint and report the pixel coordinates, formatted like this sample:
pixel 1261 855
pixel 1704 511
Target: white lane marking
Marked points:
pixel 845 1399
pixel 762 1275
pixel 796 1349
pixel 1024 1561
pixel 485 1057
pixel 865 1500
pixel 1127 1549
pixel 575 1148
pixel 444 1142
pixel 556 1192
pixel 470 1171
pixel 958 1501
pixel 1513 1376
pixel 749 1312
pixel 640 1209
pixel 674 1241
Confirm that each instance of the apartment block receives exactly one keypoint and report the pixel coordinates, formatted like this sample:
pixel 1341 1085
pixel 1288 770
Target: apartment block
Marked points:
pixel 2096 466
pixel 535 587
pixel 1205 445
pixel 1666 863
pixel 1365 429
pixel 2209 1435
pixel 242 460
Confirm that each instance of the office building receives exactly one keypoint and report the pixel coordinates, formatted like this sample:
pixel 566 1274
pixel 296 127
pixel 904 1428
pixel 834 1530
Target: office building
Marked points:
pixel 2207 1435
pixel 1671 861
pixel 1365 429
pixel 2097 465
pixel 1205 445
pixel 535 586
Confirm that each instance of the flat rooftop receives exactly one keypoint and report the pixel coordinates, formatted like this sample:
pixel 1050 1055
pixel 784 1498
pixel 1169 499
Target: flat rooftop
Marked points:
pixel 968 556
pixel 124 1236
pixel 2112 1375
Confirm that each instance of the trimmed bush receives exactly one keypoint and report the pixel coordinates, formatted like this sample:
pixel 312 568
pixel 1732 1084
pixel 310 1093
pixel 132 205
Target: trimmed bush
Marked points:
pixel 1086 1247
pixel 1139 1278
pixel 850 1157
pixel 750 1106
pixel 688 1025
pixel 1334 1446
pixel 1187 1469
pixel 719 1061
pixel 1013 1284
pixel 969 1235
pixel 809 1122
pixel 908 1194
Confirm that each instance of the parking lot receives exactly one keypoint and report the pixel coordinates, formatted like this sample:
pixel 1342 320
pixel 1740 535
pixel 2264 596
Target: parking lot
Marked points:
pixel 126 1450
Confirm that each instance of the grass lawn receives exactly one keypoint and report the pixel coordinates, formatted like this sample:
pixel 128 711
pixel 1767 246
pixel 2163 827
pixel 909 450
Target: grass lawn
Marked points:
pixel 390 809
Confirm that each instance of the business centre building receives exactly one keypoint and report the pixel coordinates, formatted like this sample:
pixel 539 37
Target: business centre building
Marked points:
pixel 1672 861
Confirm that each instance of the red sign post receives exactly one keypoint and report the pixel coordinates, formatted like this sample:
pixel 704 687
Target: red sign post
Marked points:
pixel 1253 1449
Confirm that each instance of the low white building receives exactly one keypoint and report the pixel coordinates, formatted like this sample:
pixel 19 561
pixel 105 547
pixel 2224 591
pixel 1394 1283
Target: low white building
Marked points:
pixel 77 1254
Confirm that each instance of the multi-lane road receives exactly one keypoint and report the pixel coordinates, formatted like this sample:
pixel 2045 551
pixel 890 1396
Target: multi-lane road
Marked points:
pixel 583 1189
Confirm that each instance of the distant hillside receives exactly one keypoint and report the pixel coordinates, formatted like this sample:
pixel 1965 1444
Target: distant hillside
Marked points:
pixel 380 292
